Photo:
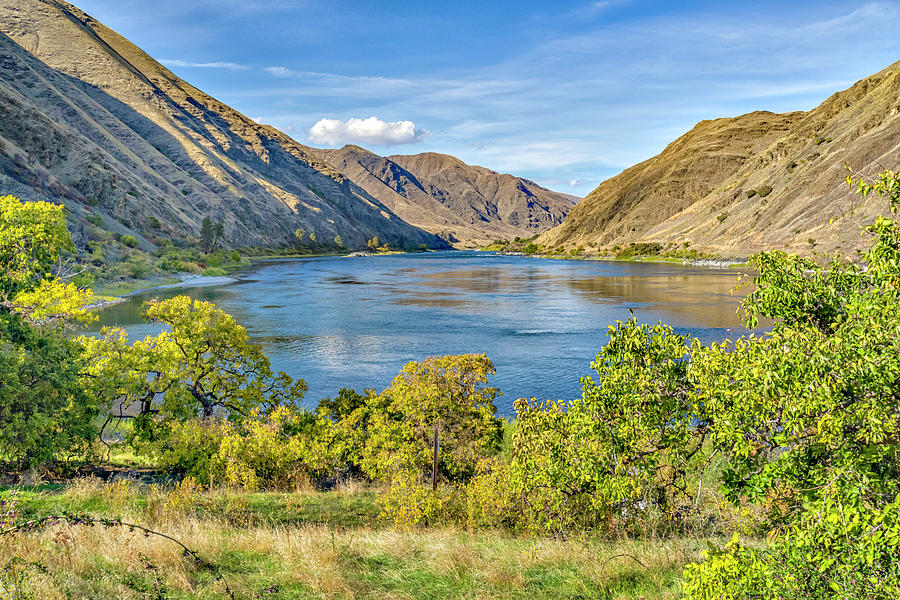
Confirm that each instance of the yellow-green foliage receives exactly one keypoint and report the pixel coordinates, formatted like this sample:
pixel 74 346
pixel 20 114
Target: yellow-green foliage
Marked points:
pixel 490 500
pixel 56 299
pixel 263 454
pixel 45 414
pixel 203 364
pixel 188 447
pixel 623 449
pixel 32 236
pixel 444 394
pixel 408 504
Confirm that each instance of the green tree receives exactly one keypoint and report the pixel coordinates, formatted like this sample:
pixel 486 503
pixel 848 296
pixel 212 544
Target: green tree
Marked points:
pixel 338 241
pixel 32 236
pixel 203 365
pixel 373 243
pixel 298 236
pixel 44 411
pixel 808 419
pixel 207 235
pixel 211 233
pixel 632 436
pixel 441 396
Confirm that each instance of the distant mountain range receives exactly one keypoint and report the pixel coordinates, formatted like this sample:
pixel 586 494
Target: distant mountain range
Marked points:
pixel 459 202
pixel 739 185
pixel 88 119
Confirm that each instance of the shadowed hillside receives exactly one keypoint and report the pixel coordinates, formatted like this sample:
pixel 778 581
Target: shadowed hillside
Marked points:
pixel 91 120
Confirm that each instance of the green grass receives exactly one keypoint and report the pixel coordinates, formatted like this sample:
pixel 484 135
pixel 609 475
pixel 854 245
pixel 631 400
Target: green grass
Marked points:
pixel 307 545
pixel 130 286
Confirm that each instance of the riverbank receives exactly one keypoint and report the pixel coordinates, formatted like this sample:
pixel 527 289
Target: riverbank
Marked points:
pixel 714 263
pixel 131 288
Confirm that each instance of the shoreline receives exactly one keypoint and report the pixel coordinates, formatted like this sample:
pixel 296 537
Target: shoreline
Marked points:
pixel 187 280
pixel 711 263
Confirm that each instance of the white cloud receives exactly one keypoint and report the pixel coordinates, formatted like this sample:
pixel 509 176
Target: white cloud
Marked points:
pixel 205 65
pixel 332 132
pixel 280 71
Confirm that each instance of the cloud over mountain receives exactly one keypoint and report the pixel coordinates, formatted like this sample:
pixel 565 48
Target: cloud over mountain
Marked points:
pixel 374 131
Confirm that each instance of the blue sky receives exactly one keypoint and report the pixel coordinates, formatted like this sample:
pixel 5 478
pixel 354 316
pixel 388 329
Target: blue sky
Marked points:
pixel 566 94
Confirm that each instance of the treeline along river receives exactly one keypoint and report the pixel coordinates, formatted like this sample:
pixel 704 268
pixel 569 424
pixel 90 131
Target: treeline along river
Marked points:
pixel 355 321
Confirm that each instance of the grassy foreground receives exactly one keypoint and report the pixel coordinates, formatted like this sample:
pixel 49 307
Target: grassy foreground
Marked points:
pixel 302 545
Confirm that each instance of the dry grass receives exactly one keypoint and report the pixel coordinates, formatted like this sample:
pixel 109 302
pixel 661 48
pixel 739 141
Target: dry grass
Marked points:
pixel 312 560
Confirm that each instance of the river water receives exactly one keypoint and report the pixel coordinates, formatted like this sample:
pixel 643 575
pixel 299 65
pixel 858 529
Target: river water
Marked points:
pixel 355 321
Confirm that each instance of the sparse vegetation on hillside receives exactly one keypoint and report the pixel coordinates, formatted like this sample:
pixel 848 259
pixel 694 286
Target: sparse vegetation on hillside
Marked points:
pixel 790 163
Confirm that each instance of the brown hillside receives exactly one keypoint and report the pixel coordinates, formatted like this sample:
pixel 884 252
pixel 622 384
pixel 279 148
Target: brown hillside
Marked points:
pixel 465 204
pixel 759 181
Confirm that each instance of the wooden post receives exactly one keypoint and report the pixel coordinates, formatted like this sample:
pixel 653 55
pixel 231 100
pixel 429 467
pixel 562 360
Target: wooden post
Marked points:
pixel 434 460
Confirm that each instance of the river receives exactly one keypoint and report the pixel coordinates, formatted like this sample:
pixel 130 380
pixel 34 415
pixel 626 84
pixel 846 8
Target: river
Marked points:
pixel 355 321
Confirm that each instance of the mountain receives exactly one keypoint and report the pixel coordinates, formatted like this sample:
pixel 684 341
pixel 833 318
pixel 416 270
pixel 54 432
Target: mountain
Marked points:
pixel 759 181
pixel 464 204
pixel 88 119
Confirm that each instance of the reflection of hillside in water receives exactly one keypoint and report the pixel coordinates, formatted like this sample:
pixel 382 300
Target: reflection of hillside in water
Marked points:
pixel 468 288
pixel 493 280
pixel 697 298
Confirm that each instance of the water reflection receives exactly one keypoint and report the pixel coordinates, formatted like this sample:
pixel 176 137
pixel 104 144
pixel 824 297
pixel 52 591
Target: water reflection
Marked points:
pixel 354 322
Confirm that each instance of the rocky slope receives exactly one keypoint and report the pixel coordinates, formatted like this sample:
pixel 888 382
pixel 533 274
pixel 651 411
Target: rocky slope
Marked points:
pixel 759 181
pixel 89 119
pixel 464 204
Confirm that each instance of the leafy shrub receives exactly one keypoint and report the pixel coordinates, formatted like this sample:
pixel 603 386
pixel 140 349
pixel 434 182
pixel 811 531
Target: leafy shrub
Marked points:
pixel 129 241
pixel 407 504
pixel 443 396
pixel 263 454
pixel 764 190
pixel 45 413
pixel 183 448
pixel 171 263
pixel 580 464
pixel 635 249
pixel 839 549
pixel 136 266
pixel 809 412
pixel 490 500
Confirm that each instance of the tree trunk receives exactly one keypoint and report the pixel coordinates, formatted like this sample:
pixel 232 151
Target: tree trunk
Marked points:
pixel 434 460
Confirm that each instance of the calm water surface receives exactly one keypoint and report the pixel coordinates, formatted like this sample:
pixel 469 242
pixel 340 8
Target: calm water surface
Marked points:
pixel 354 322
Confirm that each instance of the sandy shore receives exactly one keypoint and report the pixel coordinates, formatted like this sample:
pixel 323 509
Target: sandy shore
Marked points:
pixel 187 280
